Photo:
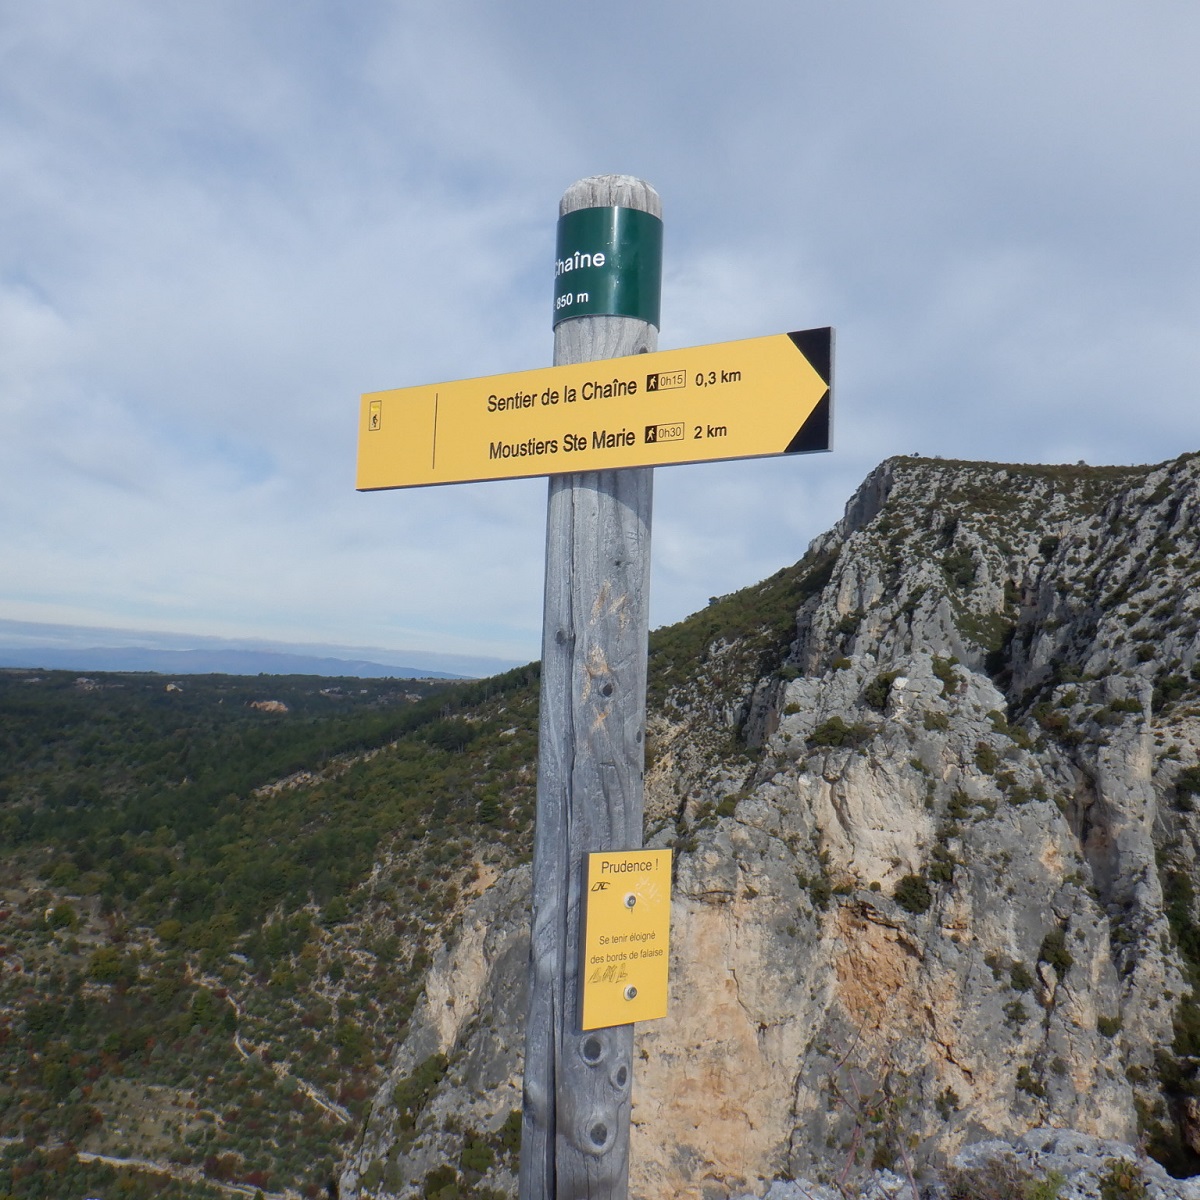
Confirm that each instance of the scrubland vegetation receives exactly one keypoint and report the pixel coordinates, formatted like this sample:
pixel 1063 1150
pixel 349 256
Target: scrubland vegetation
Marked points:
pixel 214 917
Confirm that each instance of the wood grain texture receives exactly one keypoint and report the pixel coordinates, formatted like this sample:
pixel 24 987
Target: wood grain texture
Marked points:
pixel 575 1135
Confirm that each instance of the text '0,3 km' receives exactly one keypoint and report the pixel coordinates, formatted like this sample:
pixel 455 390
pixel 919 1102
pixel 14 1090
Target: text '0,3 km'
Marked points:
pixel 745 399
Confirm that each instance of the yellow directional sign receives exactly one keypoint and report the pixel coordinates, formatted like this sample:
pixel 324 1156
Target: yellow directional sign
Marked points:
pixel 626 937
pixel 745 399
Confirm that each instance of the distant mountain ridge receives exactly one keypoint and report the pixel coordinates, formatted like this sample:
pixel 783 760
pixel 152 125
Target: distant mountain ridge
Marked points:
pixel 46 646
pixel 208 662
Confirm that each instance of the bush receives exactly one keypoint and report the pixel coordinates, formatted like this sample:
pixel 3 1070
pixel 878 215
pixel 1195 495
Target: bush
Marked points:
pixel 415 1090
pixel 959 567
pixel 998 1179
pixel 835 732
pixel 849 623
pixel 441 1184
pixel 986 759
pixel 107 965
pixel 819 892
pixel 913 893
pixel 476 1156
pixel 1168 690
pixel 1187 782
pixel 877 691
pixel 958 807
pixel 452 735
pixel 1054 951
pixel 942 864
pixel 169 931
pixel 943 668
pixel 509 1136
pixel 1122 1180
pixel 62 916
pixel 728 805
pixel 1057 724
pixel 1020 977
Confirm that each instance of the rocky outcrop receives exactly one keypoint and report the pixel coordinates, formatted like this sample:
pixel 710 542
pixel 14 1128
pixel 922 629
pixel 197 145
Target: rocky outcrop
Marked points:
pixel 1043 1162
pixel 933 867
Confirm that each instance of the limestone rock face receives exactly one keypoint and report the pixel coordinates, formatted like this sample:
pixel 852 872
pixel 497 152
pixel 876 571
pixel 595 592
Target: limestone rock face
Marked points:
pixel 934 863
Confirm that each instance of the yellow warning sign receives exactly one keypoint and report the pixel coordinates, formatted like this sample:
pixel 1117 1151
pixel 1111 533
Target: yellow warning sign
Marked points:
pixel 745 399
pixel 626 937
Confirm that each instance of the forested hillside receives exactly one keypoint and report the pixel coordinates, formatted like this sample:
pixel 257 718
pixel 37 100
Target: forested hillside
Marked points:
pixel 216 900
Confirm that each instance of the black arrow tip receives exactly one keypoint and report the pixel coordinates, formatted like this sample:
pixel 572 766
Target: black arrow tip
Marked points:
pixel 814 433
pixel 817 346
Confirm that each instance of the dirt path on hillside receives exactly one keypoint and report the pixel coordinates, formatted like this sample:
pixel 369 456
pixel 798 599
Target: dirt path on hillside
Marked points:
pixel 322 1101
pixel 183 1174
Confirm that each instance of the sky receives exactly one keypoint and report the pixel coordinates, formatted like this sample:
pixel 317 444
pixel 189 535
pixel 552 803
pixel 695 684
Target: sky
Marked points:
pixel 221 223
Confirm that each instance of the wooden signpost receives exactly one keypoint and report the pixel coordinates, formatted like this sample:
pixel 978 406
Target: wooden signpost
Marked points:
pixel 601 905
pixel 591 751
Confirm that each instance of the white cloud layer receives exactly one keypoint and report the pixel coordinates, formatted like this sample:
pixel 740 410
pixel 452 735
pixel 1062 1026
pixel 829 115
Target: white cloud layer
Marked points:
pixel 223 222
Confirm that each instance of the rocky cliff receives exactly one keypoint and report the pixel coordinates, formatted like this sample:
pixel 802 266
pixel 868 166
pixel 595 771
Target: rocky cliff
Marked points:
pixel 934 847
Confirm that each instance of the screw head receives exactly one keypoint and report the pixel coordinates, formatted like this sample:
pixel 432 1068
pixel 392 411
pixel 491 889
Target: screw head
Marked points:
pixel 630 992
pixel 630 900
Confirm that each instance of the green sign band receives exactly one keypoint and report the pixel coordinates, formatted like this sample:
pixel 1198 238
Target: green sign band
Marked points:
pixel 608 262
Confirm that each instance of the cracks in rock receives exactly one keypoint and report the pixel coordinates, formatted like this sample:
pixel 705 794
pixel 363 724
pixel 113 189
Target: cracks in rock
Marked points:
pixel 904 939
pixel 760 1027
pixel 948 1050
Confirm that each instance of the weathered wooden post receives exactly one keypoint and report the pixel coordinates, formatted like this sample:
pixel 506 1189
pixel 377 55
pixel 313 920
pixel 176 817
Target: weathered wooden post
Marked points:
pixel 575 1137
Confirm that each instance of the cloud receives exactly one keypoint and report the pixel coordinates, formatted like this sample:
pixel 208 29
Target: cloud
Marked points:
pixel 225 222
